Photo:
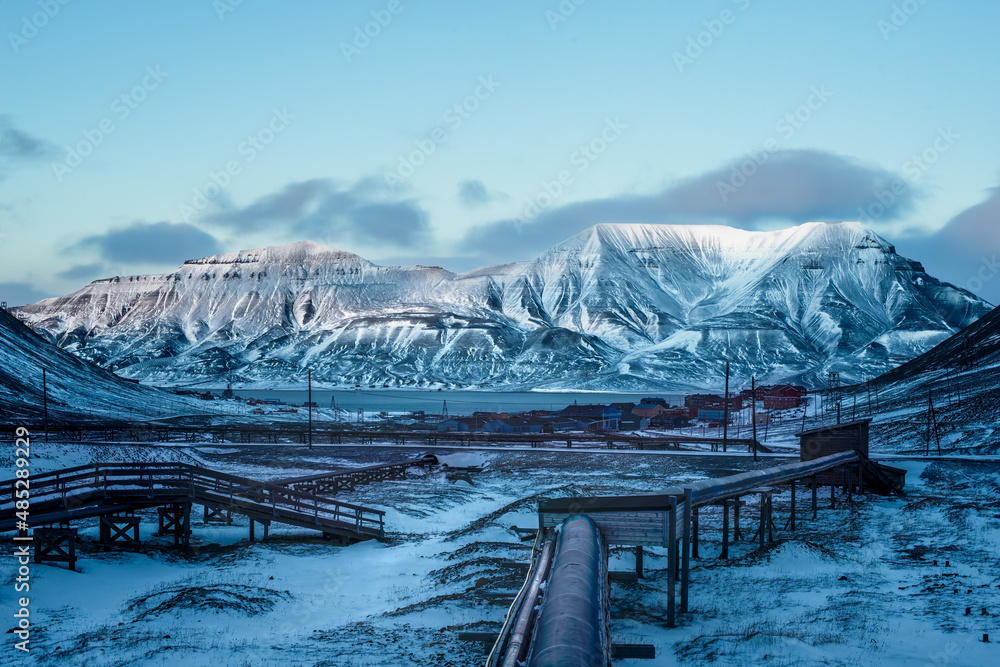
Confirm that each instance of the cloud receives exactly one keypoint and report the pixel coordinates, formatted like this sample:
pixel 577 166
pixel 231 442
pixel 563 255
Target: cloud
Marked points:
pixel 473 193
pixel 83 272
pixel 17 146
pixel 792 186
pixel 19 294
pixel 966 251
pixel 151 243
pixel 320 210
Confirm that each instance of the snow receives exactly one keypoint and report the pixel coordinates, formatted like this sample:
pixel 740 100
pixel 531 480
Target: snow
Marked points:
pixel 614 307
pixel 856 587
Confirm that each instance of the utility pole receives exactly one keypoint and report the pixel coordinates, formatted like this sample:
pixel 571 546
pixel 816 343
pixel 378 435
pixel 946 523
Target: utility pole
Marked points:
pixel 932 419
pixel 927 448
pixel 753 413
pixel 725 418
pixel 45 404
pixel 310 376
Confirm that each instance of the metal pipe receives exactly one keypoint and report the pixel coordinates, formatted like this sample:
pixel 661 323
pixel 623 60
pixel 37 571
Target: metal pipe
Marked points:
pixel 529 594
pixel 572 626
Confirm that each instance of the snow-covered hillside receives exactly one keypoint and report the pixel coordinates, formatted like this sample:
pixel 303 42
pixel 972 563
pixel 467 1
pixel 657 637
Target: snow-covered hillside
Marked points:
pixel 614 307
pixel 76 389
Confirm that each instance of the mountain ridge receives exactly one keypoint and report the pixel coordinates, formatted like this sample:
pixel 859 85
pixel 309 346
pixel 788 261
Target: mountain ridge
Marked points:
pixel 612 307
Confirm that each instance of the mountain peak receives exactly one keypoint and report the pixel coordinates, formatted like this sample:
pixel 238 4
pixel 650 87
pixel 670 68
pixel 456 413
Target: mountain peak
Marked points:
pixel 292 253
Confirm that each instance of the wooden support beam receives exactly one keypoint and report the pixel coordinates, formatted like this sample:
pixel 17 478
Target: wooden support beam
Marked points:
pixel 119 529
pixel 737 533
pixel 694 532
pixel 686 553
pixel 725 530
pixel 763 519
pixel 792 518
pixel 814 495
pixel 55 545
pixel 638 561
pixel 671 561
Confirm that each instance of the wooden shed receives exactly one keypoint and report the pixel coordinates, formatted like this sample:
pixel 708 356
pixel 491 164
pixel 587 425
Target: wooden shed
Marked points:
pixel 834 438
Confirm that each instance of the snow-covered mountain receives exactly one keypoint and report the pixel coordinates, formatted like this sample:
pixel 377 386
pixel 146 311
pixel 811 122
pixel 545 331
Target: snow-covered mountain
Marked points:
pixel 614 307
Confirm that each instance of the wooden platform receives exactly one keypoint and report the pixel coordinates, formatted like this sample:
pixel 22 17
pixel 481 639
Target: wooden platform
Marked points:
pixel 103 489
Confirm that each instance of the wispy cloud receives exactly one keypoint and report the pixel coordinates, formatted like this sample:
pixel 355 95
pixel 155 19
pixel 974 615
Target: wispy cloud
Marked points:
pixel 150 243
pixel 20 293
pixel 19 147
pixel 966 251
pixel 473 193
pixel 793 186
pixel 319 209
pixel 83 272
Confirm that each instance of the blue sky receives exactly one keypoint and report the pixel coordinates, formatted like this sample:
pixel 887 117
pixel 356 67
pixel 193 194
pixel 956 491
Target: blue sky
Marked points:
pixel 134 136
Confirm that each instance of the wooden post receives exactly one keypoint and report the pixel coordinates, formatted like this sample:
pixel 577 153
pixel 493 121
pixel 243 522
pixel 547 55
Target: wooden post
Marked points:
pixel 185 525
pixel 638 561
pixel 310 400
pixel 763 519
pixel 833 491
pixel 814 495
pixel 753 413
pixel 45 404
pixel 251 530
pixel 793 505
pixel 686 553
pixel 671 560
pixel 694 532
pixel 725 418
pixel 725 530
pixel 737 533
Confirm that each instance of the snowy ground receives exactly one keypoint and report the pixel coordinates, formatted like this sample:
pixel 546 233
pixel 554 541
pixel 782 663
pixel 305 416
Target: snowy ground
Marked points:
pixel 856 587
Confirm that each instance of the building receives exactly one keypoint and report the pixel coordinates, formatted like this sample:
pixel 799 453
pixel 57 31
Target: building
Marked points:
pixel 516 425
pixel 777 397
pixel 655 400
pixel 826 440
pixel 632 422
pixel 783 397
pixel 461 425
pixel 597 417
pixel 695 403
pixel 648 410
pixel 671 418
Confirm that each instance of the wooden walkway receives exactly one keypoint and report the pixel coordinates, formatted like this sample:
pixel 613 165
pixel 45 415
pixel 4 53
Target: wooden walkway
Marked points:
pixel 106 489
pixel 332 483
pixel 339 436
pixel 670 518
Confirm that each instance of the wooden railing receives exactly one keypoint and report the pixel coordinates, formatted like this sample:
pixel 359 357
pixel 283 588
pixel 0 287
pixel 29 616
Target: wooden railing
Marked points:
pixel 151 483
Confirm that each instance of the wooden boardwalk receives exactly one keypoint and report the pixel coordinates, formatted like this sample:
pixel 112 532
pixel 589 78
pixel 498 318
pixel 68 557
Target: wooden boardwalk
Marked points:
pixel 339 436
pixel 108 489
pixel 332 483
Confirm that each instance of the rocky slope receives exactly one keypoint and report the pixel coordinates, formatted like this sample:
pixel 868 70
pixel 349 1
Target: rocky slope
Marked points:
pixel 614 307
